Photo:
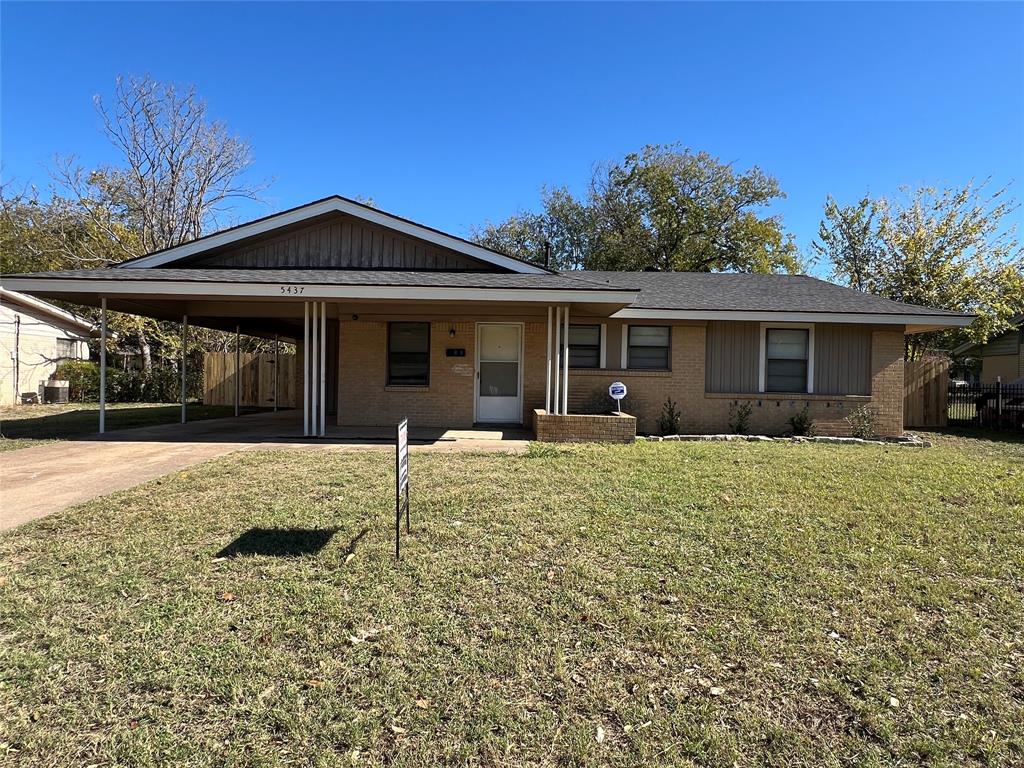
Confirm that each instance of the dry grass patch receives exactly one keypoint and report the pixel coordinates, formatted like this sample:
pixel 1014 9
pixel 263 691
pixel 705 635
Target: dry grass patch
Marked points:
pixel 656 604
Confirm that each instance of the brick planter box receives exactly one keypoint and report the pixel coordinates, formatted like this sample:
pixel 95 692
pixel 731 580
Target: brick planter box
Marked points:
pixel 584 428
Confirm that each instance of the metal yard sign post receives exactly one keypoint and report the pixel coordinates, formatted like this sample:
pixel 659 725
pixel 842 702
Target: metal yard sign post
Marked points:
pixel 616 392
pixel 401 482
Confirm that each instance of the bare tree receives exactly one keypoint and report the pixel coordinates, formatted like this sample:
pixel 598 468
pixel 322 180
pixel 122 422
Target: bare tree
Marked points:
pixel 180 169
pixel 179 172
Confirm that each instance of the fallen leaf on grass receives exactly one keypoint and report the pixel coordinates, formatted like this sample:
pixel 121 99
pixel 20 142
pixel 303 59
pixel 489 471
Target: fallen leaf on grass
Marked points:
pixel 894 702
pixel 227 597
pixel 398 729
pixel 716 691
pixel 367 635
pixel 314 683
pixel 630 728
pixel 423 703
pixel 348 557
pixel 600 734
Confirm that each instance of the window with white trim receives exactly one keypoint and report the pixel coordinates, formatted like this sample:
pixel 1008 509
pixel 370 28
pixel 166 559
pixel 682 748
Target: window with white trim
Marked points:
pixel 648 347
pixel 787 355
pixel 584 346
pixel 67 349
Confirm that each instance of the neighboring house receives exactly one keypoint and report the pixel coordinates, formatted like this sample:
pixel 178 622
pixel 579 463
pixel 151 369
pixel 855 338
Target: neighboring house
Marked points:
pixel 400 319
pixel 1002 356
pixel 34 337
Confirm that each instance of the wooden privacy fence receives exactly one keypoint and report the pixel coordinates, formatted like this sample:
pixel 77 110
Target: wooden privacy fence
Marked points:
pixel 926 392
pixel 257 379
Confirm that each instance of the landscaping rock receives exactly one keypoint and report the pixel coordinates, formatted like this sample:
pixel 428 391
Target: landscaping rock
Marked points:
pixel 909 440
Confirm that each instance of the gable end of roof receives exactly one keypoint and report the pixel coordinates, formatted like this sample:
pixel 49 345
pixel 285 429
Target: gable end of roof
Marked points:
pixel 334 204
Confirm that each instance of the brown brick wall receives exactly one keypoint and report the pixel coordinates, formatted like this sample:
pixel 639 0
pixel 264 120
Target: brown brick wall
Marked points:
pixel 365 399
pixel 448 400
pixel 619 428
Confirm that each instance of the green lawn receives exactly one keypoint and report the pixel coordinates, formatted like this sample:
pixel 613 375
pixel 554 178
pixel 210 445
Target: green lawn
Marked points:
pixel 657 604
pixel 28 425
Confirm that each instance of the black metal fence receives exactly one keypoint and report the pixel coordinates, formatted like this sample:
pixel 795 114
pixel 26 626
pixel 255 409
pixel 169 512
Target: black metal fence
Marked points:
pixel 994 406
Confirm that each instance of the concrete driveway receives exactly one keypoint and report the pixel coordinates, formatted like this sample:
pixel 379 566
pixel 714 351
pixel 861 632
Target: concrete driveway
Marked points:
pixel 39 481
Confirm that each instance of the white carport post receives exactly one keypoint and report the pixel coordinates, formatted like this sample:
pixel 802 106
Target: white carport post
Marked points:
pixel 305 369
pixel 314 346
pixel 238 367
pixel 565 363
pixel 184 363
pixel 547 368
pixel 323 369
pixel 558 354
pixel 103 365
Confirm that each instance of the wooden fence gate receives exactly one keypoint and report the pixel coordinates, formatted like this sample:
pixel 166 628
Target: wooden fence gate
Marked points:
pixel 926 392
pixel 257 380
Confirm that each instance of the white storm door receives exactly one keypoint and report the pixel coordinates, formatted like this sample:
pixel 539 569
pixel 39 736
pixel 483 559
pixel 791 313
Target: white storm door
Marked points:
pixel 499 394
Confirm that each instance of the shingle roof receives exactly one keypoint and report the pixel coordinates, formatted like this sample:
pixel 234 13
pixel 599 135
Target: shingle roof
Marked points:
pixel 681 291
pixel 744 292
pixel 495 280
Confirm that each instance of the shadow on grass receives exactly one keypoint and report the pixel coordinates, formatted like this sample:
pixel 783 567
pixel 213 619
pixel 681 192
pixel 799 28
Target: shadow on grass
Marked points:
pixel 282 542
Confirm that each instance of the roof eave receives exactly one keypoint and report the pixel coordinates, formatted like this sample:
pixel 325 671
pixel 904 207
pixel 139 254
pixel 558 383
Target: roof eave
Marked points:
pixel 42 285
pixel 57 315
pixel 916 323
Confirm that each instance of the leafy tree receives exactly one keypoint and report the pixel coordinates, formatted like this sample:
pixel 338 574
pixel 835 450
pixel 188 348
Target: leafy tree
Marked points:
pixel 939 248
pixel 848 239
pixel 663 208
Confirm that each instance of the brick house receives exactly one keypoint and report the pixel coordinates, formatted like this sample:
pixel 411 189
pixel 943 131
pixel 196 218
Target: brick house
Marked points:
pixel 396 319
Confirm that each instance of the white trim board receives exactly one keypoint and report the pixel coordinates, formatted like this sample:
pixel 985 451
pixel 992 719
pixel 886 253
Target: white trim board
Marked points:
pixel 22 302
pixel 332 205
pixel 168 289
pixel 864 318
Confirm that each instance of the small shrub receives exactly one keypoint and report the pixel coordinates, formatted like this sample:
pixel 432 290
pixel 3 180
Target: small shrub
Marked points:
pixel 739 418
pixel 161 385
pixel 83 380
pixel 862 422
pixel 670 421
pixel 802 423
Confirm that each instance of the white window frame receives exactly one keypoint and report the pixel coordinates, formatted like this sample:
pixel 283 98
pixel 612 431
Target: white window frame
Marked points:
pixel 624 351
pixel 76 352
pixel 602 350
pixel 762 363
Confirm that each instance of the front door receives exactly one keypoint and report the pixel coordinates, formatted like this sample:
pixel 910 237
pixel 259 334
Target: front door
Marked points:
pixel 499 385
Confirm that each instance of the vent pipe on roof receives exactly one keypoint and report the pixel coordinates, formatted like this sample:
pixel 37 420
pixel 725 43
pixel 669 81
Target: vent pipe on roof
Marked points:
pixel 547 254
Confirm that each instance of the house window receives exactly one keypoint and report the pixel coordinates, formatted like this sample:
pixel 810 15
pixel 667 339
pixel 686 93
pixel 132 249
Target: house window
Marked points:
pixel 408 354
pixel 648 347
pixel 787 354
pixel 584 346
pixel 67 349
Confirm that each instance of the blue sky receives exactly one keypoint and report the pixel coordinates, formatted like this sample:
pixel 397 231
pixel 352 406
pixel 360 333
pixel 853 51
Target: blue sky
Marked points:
pixel 456 114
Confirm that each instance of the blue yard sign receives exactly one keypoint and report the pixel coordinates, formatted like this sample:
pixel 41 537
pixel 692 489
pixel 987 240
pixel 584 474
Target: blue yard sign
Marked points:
pixel 616 392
